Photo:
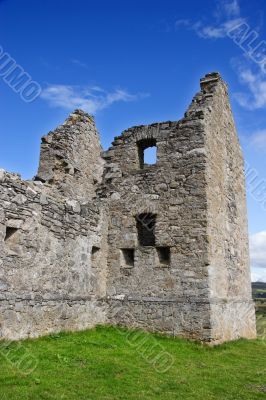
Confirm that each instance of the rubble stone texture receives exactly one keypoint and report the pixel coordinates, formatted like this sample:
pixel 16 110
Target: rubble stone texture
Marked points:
pixel 101 237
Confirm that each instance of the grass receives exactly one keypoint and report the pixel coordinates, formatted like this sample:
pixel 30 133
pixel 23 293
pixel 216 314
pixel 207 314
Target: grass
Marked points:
pixel 106 364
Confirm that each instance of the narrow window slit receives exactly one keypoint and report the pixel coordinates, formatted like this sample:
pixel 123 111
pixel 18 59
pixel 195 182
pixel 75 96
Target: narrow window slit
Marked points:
pixel 95 256
pixel 10 232
pixel 127 258
pixel 164 255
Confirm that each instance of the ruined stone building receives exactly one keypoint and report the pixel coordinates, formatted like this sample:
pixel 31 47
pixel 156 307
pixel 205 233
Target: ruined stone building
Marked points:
pixel 101 237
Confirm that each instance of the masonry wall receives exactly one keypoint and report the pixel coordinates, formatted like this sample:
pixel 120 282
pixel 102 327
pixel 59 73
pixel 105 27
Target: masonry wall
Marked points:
pixel 232 308
pixel 197 192
pixel 70 159
pixel 169 298
pixel 53 258
pixel 101 237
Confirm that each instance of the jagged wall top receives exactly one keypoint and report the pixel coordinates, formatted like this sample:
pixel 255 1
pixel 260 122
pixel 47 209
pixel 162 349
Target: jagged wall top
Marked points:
pixel 70 159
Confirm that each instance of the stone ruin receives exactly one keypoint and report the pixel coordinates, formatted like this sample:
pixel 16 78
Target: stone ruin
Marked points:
pixel 101 237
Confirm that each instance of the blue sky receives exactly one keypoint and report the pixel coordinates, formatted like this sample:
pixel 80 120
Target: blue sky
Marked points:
pixel 132 62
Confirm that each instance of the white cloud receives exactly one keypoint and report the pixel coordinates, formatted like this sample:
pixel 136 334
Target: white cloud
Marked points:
pixel 256 83
pixel 231 8
pixel 226 17
pixel 258 255
pixel 182 22
pixel 79 63
pixel 218 31
pixel 258 140
pixel 258 275
pixel 90 99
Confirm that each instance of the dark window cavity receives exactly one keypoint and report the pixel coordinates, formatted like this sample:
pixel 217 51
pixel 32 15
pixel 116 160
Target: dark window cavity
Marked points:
pixel 9 233
pixel 164 255
pixel 127 258
pixel 146 229
pixel 95 256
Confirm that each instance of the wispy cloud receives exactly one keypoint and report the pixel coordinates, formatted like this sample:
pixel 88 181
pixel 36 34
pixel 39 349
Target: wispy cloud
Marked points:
pixel 90 99
pixel 218 31
pixel 255 82
pixel 231 8
pixel 226 16
pixel 258 140
pixel 258 255
pixel 48 65
pixel 79 63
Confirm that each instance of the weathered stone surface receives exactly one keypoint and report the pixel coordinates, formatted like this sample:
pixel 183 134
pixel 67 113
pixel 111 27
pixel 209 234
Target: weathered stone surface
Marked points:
pixel 71 157
pixel 101 237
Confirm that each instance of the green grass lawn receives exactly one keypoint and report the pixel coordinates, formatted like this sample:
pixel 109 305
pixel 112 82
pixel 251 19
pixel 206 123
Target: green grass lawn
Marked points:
pixel 110 363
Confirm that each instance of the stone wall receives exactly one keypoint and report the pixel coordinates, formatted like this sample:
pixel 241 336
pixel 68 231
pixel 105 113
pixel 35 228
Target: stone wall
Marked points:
pixel 196 190
pixel 103 237
pixel 229 274
pixel 174 189
pixel 53 259
pixel 70 159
